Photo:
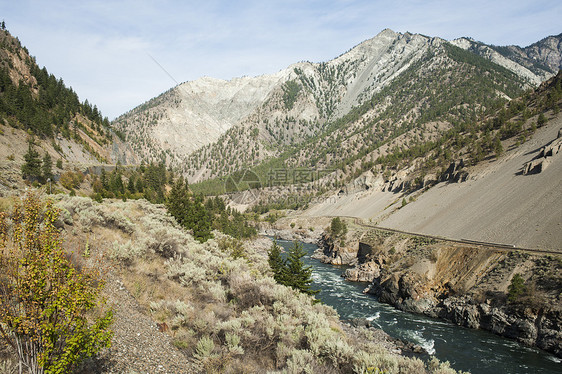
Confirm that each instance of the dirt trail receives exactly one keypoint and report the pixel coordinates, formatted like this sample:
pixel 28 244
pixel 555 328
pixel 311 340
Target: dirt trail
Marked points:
pixel 137 345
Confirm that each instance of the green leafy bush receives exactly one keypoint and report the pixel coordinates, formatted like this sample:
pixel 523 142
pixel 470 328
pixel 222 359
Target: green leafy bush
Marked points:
pixel 46 304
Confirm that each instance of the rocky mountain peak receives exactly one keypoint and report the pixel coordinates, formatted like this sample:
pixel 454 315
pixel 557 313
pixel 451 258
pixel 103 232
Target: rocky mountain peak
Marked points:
pixel 286 108
pixel 547 51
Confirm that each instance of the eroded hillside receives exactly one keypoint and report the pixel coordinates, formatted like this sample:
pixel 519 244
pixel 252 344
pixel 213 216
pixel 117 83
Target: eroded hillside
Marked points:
pixel 360 98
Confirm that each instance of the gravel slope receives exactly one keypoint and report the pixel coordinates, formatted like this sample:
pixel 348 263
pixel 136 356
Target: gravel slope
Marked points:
pixel 497 204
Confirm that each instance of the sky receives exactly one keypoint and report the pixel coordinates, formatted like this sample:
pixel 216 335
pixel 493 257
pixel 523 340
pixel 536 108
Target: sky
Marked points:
pixel 119 54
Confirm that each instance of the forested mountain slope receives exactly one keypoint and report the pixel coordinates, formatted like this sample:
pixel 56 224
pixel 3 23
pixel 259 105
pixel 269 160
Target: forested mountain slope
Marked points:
pixel 236 124
pixel 38 112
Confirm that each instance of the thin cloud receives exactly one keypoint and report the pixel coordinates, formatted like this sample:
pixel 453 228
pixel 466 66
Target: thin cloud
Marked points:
pixel 102 49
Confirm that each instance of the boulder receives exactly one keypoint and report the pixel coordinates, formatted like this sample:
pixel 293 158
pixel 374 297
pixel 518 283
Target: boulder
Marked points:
pixel 363 273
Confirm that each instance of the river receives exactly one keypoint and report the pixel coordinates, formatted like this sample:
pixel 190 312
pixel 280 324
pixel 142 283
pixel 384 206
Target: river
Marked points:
pixel 466 349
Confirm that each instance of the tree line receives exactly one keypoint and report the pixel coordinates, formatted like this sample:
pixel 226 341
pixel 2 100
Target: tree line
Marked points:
pixel 49 107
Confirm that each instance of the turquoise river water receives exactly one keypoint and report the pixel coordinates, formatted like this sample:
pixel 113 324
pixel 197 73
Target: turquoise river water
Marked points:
pixel 466 349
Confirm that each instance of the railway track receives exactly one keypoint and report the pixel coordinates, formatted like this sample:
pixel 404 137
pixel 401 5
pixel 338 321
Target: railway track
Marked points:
pixel 485 245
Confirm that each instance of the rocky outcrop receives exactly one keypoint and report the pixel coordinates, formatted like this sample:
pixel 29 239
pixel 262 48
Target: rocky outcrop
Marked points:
pixel 292 235
pixel 362 273
pixel 407 291
pixel 544 158
pixel 537 323
pixel 463 284
pixel 548 51
pixel 540 327
pixel 535 166
pixel 533 327
pixel 331 252
pixel 455 172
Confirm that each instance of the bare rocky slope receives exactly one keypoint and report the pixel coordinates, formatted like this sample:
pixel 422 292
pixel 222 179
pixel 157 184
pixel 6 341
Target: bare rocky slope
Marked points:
pixel 496 203
pixel 232 125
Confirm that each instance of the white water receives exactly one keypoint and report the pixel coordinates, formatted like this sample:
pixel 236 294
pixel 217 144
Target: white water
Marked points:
pixel 476 351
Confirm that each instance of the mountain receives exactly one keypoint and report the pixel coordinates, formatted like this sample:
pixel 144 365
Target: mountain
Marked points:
pixel 393 82
pixel 536 62
pixel 37 106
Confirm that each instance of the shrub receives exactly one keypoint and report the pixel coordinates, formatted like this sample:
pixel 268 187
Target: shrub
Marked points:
pixel 126 252
pixel 71 180
pixel 204 348
pixel 516 288
pixel 45 302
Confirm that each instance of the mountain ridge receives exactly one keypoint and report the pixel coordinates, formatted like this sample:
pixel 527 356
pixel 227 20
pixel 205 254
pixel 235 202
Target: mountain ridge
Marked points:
pixel 286 108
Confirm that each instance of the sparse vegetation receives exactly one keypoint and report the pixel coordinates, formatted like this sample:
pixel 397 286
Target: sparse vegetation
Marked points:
pixel 225 310
pixel 46 303
pixel 516 288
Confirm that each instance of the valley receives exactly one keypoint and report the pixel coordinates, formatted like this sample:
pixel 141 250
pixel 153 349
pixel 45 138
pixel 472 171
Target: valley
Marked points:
pixel 431 170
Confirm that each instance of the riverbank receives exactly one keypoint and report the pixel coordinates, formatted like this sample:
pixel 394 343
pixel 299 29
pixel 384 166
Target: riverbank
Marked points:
pixel 468 286
pixel 472 350
pixel 359 328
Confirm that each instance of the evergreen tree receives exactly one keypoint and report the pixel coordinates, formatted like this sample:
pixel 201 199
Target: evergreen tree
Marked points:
pixel 131 184
pixel 541 120
pixel 338 227
pixel 104 181
pixel 116 183
pixel 200 222
pixel 139 185
pixel 189 212
pixel 178 202
pixel 276 263
pixel 498 148
pixel 31 169
pixel 291 272
pixel 516 288
pixel 299 276
pixel 47 167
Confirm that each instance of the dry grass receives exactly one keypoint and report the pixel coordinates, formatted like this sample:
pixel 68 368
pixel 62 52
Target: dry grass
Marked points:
pixel 217 298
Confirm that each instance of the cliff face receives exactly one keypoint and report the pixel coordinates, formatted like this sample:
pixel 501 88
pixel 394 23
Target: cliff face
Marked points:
pixel 336 251
pixel 467 285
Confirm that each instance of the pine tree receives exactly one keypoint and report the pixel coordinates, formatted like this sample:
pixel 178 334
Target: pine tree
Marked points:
pixel 276 263
pixel 47 168
pixel 516 288
pixel 189 213
pixel 104 181
pixel 200 222
pixel 336 226
pixel 131 184
pixel 299 276
pixel 32 167
pixel 498 148
pixel 178 202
